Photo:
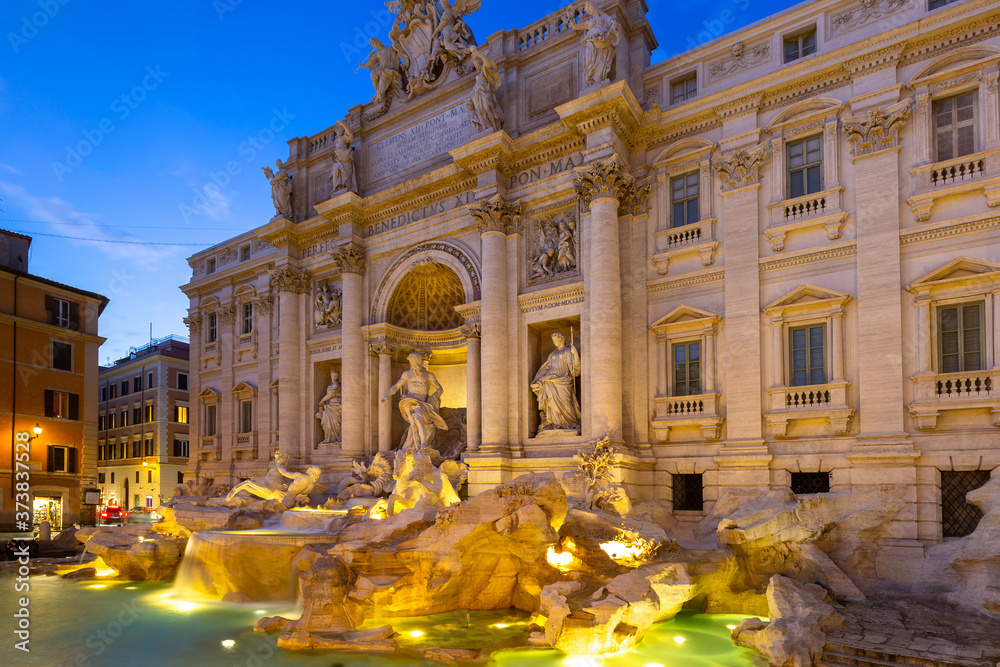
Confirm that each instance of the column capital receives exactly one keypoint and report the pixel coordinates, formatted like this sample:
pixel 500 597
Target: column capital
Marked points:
pixel 193 323
pixel 380 348
pixel 290 279
pixel 497 215
pixel 878 130
pixel 603 179
pixel 741 168
pixel 350 258
pixel 470 330
pixel 635 199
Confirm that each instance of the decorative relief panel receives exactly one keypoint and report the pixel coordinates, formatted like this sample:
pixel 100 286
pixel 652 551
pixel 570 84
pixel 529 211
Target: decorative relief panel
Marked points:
pixel 863 12
pixel 740 57
pixel 327 305
pixel 554 248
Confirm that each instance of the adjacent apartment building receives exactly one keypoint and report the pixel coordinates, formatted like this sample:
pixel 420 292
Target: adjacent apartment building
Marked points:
pixel 48 365
pixel 142 422
pixel 778 255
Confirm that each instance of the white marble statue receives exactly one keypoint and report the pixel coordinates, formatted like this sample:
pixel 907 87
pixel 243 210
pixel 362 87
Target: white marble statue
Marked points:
pixel 483 105
pixel 602 35
pixel 384 64
pixel 281 189
pixel 342 174
pixel 419 404
pixel 455 37
pixel 302 484
pixel 328 305
pixel 428 36
pixel 329 414
pixel 372 482
pixel 555 386
pixel 419 484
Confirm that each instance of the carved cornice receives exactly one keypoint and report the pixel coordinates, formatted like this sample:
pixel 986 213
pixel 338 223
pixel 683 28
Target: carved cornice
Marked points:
pixel 550 298
pixel 874 61
pixel 469 330
pixel 878 130
pixel 496 215
pixel 740 57
pixel 742 106
pixel 290 279
pixel 957 37
pixel 603 179
pixel 350 258
pixel 950 228
pixel 742 168
pixel 710 276
pixel 848 249
pixel 863 12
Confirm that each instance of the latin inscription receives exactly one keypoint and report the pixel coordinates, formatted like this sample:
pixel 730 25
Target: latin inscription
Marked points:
pixel 429 139
pixel 439 206
pixel 546 170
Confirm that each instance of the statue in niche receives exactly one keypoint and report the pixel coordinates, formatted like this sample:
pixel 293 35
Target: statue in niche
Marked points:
pixel 555 386
pixel 383 62
pixel 342 174
pixel 372 482
pixel 483 105
pixel 419 484
pixel 419 404
pixel 302 485
pixel 556 248
pixel 328 305
pixel 329 414
pixel 601 37
pixel 281 189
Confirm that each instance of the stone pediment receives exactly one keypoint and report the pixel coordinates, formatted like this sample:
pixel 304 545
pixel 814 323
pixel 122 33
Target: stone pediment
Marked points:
pixel 962 268
pixel 807 295
pixel 805 110
pixel 954 62
pixel 684 317
pixel 243 387
pixel 208 395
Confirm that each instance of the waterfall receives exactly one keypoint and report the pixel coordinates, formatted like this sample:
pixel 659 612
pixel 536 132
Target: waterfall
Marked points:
pixel 258 564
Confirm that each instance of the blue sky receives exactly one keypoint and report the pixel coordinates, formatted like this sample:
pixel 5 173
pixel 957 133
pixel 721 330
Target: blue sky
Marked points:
pixel 117 120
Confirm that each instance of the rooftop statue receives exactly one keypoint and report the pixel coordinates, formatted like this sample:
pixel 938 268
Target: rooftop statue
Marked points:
pixel 601 37
pixel 383 62
pixel 483 105
pixel 419 404
pixel 281 189
pixel 342 174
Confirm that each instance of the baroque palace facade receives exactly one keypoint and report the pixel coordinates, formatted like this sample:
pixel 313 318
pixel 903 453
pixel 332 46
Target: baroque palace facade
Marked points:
pixel 778 255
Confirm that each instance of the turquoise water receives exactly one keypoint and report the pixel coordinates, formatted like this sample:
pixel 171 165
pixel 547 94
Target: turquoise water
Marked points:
pixel 138 623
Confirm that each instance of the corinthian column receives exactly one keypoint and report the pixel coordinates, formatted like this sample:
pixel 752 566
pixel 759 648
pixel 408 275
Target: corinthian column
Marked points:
pixel 602 186
pixel 350 258
pixel 289 282
pixel 496 219
pixel 473 383
pixel 384 353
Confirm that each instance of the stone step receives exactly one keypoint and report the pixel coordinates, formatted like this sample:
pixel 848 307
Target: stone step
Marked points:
pixel 840 655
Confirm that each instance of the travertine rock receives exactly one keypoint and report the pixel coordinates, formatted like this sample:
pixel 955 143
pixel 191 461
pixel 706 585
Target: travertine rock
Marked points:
pixel 134 552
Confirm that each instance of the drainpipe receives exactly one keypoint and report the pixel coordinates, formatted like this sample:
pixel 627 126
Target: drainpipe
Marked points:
pixel 13 405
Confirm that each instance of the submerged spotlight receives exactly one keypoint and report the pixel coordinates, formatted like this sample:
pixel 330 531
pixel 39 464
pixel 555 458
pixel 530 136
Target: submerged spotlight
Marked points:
pixel 416 633
pixel 228 643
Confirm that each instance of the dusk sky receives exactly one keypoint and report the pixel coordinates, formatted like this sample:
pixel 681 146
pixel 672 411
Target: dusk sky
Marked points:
pixel 119 117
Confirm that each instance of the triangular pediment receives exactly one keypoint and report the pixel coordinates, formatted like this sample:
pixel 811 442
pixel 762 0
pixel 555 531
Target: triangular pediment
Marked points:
pixel 682 314
pixel 806 294
pixel 208 393
pixel 243 386
pixel 957 269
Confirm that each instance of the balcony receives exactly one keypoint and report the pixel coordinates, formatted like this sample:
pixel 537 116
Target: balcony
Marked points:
pixel 245 442
pixel 976 173
pixel 245 346
pixel 820 209
pixel 934 392
pixel 698 238
pixel 211 446
pixel 816 401
pixel 210 355
pixel 701 411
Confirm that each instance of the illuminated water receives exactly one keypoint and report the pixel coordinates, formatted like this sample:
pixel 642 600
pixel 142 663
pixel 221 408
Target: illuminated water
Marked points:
pixel 137 623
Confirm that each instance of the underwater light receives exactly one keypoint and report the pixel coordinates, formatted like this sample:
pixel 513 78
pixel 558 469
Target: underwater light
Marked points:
pixel 98 586
pixel 679 640
pixel 416 633
pixel 500 625
pixel 731 627
pixel 561 561
pixel 228 643
pixel 181 605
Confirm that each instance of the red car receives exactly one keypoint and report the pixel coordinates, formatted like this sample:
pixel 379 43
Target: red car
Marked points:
pixel 113 514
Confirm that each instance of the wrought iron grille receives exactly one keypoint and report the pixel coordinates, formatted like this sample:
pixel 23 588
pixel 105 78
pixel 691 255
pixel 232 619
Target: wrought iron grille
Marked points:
pixel 810 482
pixel 958 517
pixel 688 492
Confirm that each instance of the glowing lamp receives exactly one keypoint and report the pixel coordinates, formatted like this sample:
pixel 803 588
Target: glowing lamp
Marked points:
pixel 37 430
pixel 561 561
pixel 679 640
pixel 228 643
pixel 416 633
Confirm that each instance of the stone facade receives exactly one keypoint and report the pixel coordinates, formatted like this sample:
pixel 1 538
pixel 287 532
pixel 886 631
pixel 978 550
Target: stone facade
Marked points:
pixel 780 262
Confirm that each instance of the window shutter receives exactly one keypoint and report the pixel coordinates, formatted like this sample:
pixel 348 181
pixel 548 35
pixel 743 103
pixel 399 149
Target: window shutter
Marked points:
pixel 175 413
pixel 48 403
pixel 71 459
pixel 50 306
pixel 74 406
pixel 52 458
pixel 74 316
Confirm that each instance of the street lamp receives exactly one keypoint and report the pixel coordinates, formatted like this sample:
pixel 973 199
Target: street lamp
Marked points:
pixel 37 430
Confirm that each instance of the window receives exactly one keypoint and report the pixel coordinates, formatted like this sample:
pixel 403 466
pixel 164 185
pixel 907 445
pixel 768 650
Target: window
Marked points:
pixel 800 45
pixel 180 477
pixel 687 369
pixel 938 4
pixel 149 447
pixel 688 493
pixel 960 337
pixel 245 253
pixel 62 459
pixel 805 166
pixel 137 384
pixel 121 451
pixel 114 390
pixel 62 356
pixel 210 268
pixel 683 89
pixel 110 421
pixel 61 405
pixel 100 478
pixel 807 358
pixel 149 413
pixel 684 199
pixel 149 479
pixel 137 481
pixel 246 416
pixel 112 478
pixel 955 126
pixel 124 387
pixel 810 482
pixel 136 501
pixel 61 313
pixel 123 418
pixel 181 414
pixel 182 381
pixel 149 380
pixel 136 450
pixel 213 327
pixel 104 393
pixel 247 318
pixel 181 448
pixel 210 419
pixel 958 517
pixel 101 423
pixel 136 416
